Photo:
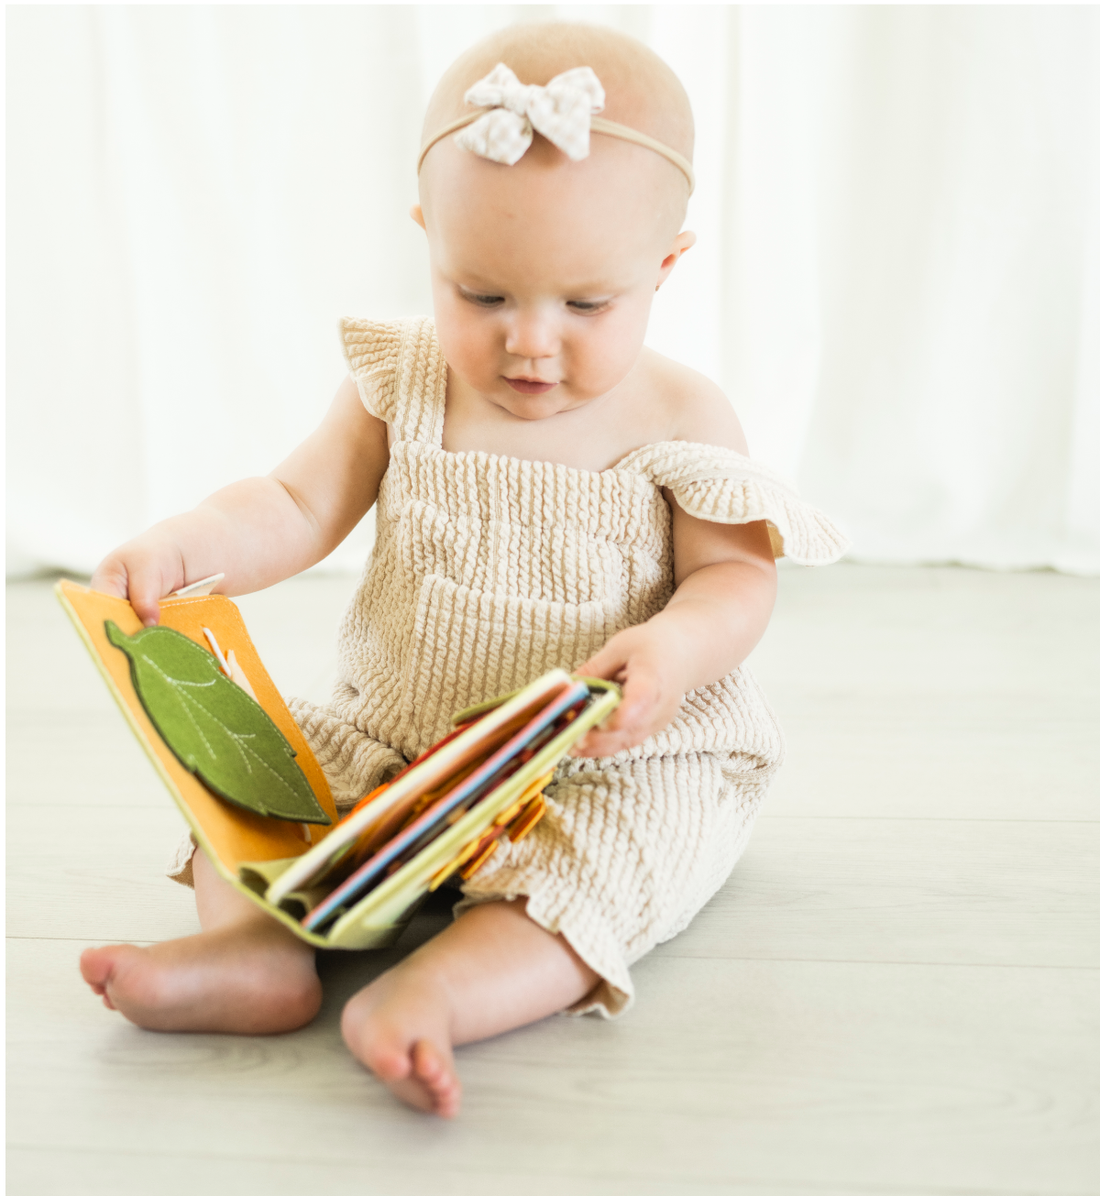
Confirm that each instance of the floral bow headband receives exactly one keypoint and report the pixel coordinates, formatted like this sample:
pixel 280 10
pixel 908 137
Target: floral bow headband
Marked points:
pixel 562 111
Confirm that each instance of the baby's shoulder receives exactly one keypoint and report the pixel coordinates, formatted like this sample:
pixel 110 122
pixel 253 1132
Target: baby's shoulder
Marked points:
pixel 690 407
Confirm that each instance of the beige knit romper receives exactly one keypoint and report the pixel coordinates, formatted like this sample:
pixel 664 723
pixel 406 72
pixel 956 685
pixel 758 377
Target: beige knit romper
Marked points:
pixel 486 572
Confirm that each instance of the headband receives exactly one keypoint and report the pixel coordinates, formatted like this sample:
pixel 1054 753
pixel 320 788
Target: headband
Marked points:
pixel 512 112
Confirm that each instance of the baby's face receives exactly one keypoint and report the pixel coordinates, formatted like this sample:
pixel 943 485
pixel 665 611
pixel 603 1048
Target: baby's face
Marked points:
pixel 543 273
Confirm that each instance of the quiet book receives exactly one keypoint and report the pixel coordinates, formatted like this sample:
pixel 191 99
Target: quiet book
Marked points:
pixel 202 705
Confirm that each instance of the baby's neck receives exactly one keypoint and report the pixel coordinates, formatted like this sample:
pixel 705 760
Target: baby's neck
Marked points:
pixel 594 436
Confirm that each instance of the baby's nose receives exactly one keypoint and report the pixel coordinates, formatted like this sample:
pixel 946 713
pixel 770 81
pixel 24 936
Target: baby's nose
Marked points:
pixel 532 334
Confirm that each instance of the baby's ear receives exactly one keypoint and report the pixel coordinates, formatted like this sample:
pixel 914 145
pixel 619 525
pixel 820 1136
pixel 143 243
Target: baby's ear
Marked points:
pixel 417 213
pixel 684 241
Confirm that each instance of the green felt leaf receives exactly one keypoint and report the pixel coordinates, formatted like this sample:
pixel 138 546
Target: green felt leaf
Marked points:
pixel 215 729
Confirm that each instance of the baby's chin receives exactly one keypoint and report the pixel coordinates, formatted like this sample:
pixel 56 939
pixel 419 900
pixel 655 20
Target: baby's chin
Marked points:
pixel 534 407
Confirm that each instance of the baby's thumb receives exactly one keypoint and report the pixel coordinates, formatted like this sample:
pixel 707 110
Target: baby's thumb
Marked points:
pixel 608 664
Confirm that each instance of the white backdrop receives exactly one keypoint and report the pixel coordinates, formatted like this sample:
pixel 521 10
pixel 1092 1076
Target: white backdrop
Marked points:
pixel 897 279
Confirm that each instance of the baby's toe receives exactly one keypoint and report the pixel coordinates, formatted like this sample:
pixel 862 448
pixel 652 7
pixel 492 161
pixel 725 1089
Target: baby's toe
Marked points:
pixel 436 1072
pixel 95 967
pixel 426 1062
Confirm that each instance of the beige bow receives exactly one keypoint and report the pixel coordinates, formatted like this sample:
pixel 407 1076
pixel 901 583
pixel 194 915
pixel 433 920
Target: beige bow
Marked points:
pixel 561 111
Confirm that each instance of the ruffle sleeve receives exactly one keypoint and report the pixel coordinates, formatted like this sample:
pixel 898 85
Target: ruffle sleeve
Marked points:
pixel 721 486
pixel 399 372
pixel 372 350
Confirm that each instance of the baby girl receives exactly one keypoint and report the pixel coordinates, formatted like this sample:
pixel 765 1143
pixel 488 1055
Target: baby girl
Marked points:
pixel 549 492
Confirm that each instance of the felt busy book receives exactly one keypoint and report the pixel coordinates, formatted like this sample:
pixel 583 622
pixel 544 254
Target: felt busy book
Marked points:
pixel 202 705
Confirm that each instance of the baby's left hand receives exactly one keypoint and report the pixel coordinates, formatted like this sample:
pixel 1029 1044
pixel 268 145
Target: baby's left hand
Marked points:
pixel 643 661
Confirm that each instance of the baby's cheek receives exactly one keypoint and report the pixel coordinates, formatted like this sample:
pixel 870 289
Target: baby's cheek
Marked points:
pixel 467 361
pixel 607 359
pixel 466 346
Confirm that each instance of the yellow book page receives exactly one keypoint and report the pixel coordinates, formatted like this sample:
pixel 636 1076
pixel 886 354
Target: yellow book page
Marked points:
pixel 226 832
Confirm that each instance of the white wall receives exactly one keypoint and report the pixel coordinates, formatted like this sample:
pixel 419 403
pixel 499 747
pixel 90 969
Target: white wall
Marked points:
pixel 897 279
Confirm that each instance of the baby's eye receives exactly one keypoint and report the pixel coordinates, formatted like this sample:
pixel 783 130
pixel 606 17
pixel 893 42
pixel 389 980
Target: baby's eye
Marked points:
pixel 586 307
pixel 483 300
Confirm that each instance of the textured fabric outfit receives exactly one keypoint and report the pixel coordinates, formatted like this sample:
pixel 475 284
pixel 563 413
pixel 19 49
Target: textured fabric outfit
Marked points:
pixel 486 572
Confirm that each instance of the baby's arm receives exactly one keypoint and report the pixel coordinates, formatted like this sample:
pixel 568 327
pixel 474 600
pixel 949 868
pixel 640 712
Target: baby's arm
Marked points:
pixel 723 600
pixel 725 590
pixel 261 530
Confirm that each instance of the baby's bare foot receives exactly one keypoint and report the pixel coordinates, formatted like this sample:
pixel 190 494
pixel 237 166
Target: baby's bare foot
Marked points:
pixel 253 978
pixel 399 1029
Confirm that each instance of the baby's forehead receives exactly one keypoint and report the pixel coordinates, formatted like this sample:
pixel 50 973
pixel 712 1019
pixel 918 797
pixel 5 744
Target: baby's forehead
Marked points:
pixel 621 194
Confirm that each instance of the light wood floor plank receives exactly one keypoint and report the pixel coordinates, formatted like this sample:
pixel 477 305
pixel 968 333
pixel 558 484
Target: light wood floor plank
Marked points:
pixel 935 693
pixel 923 891
pixel 938 756
pixel 91 759
pixel 51 1173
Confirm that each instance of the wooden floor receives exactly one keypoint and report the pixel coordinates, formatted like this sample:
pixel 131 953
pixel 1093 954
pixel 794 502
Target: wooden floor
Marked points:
pixel 897 992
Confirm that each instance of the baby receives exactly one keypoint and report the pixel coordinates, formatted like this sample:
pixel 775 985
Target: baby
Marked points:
pixel 549 492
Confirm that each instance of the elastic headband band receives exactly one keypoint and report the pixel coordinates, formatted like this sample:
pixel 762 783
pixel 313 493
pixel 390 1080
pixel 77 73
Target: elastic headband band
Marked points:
pixel 609 128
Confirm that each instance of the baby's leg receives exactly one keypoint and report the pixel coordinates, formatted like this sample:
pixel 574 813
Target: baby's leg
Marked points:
pixel 244 974
pixel 492 970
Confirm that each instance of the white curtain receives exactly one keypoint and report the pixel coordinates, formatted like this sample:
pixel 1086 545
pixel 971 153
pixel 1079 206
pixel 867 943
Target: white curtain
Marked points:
pixel 897 279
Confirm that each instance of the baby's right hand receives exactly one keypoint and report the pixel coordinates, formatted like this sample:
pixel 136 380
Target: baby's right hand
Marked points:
pixel 144 570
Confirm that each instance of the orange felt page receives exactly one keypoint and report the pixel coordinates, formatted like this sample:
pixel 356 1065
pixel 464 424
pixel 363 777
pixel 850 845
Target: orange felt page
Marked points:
pixel 231 834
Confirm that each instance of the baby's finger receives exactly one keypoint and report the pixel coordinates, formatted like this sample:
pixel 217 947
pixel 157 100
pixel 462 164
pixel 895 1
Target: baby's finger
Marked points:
pixel 595 743
pixel 641 696
pixel 601 742
pixel 146 606
pixel 110 578
pixel 143 587
pixel 624 729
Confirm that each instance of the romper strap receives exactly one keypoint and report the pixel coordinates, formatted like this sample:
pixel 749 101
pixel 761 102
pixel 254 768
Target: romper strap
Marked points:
pixel 721 486
pixel 401 374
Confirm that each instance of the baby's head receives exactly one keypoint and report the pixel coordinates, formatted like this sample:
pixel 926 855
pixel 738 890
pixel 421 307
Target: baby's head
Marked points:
pixel 545 270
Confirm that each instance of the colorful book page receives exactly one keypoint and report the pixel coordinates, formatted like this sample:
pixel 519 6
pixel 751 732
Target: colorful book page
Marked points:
pixel 493 772
pixel 379 819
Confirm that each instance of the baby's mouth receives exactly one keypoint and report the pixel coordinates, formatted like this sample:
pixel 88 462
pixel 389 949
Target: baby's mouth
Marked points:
pixel 530 386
